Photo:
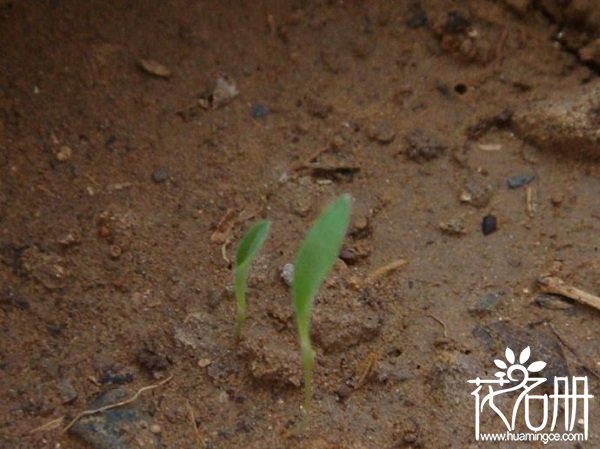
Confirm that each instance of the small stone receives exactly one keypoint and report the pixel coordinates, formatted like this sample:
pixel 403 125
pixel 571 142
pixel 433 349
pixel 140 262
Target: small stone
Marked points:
pixel 214 299
pixel 410 438
pixel 417 20
pixel 514 182
pixel 566 121
pixel 67 391
pixel 552 302
pixel 453 227
pixel 337 142
pixel 487 303
pixel 317 108
pixel 151 67
pixel 225 91
pixel 155 429
pixel 456 23
pixel 117 375
pixel 115 251
pixel 122 428
pixel 160 174
pixel 489 224
pixel 344 392
pixel 287 274
pixel 466 197
pixel 349 256
pixel 423 146
pixel 302 202
pixel 381 133
pixel 153 359
pixel 203 363
pixel 64 153
pixel 361 227
pixel 477 192
pixel 223 397
pixel 557 199
pixel 259 111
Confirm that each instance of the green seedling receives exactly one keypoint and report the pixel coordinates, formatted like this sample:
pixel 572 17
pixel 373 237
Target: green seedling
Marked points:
pixel 249 246
pixel 315 259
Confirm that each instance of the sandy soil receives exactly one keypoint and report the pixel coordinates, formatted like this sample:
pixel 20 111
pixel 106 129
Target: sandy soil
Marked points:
pixel 139 140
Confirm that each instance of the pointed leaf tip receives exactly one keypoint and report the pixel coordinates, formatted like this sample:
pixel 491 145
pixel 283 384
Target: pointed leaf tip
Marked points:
pixel 318 253
pixel 252 242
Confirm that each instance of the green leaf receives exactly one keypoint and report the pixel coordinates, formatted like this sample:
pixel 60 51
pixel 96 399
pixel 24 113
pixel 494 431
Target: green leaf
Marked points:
pixel 251 242
pixel 249 246
pixel 315 258
pixel 317 255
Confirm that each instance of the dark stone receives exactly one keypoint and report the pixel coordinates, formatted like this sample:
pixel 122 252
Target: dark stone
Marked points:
pixel 259 111
pixel 152 359
pixel 423 146
pixel 514 182
pixel 117 376
pixel 67 391
pixel 553 302
pixel 317 108
pixel 487 302
pixel 120 428
pixel 160 174
pixel 455 23
pixel 349 256
pixel 489 224
pixel 417 20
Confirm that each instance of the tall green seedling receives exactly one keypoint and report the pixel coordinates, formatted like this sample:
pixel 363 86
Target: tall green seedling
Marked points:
pixel 249 246
pixel 315 259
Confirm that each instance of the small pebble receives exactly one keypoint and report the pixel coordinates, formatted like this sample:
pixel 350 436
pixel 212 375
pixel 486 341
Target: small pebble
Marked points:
pixel 67 391
pixel 456 23
pixel 557 199
pixel 287 274
pixel 487 303
pixel 514 182
pixel 337 142
pixel 344 392
pixel 160 174
pixel 64 153
pixel 453 227
pixel 489 224
pixel 115 251
pixel 203 363
pixel 259 111
pixel 417 20
pixel 155 429
pixel 552 302
pixel 382 133
pixel 349 256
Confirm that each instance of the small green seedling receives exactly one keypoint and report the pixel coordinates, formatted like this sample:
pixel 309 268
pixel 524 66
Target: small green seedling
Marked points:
pixel 249 246
pixel 315 258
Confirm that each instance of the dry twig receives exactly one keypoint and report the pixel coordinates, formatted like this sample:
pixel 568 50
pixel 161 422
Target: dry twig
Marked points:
pixel 197 433
pixel 117 404
pixel 384 270
pixel 556 286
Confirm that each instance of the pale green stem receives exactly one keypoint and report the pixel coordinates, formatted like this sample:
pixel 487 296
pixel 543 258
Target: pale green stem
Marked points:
pixel 240 297
pixel 308 359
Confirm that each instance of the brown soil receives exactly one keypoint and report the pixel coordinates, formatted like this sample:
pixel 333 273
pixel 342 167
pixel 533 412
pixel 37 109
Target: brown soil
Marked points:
pixel 116 178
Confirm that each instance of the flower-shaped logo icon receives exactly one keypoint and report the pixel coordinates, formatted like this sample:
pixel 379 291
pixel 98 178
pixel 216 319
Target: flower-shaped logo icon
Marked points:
pixel 511 363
